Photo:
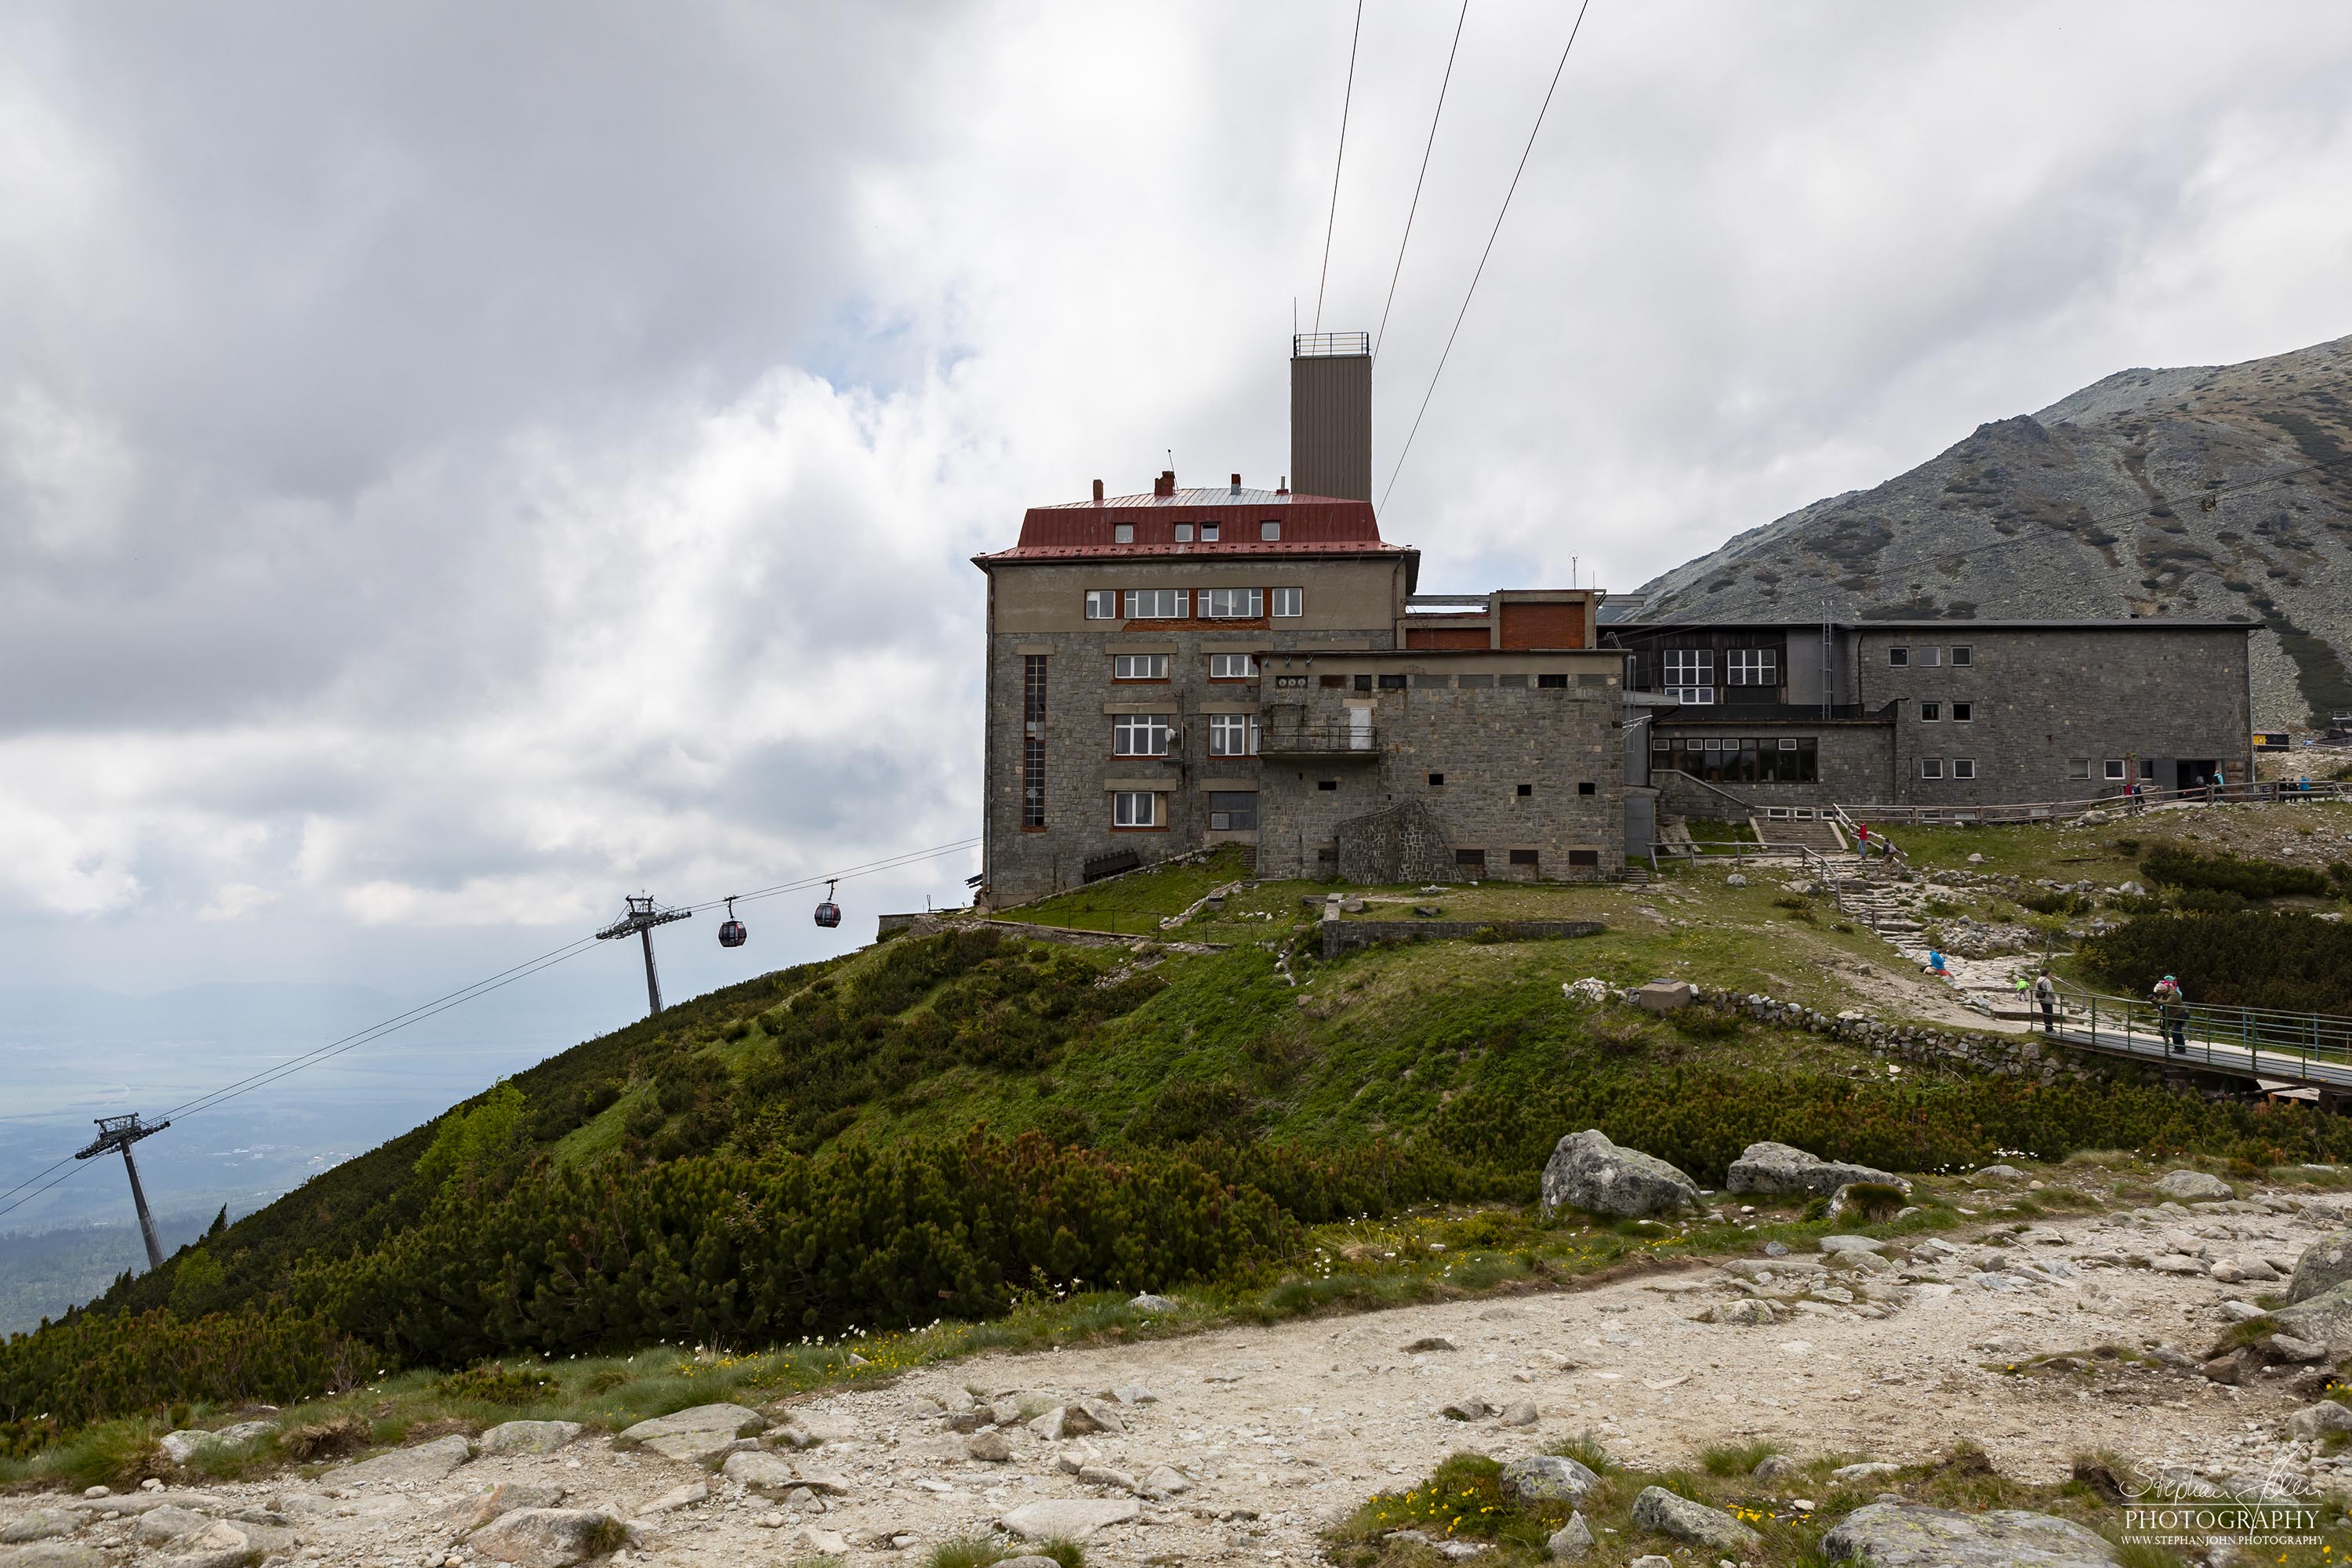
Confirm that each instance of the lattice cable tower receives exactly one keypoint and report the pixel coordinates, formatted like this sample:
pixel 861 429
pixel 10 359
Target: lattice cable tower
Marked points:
pixel 643 916
pixel 118 1134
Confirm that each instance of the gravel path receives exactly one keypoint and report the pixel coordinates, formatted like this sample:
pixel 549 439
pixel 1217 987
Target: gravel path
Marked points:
pixel 1277 1430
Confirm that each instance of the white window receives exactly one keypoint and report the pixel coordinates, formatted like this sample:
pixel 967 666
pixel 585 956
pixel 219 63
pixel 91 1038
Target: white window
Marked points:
pixel 1139 736
pixel 1233 735
pixel 1232 603
pixel 1155 604
pixel 1964 767
pixel 1933 658
pixel 1690 675
pixel 1963 656
pixel 1102 605
pixel 1899 657
pixel 1752 667
pixel 1134 808
pixel 1931 767
pixel 1122 533
pixel 1929 712
pixel 1208 533
pixel 2078 768
pixel 1269 530
pixel 1289 601
pixel 2115 768
pixel 1232 666
pixel 1183 533
pixel 1139 666
pixel 1962 712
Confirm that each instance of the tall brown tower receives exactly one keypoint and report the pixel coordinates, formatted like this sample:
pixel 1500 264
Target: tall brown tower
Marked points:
pixel 1331 414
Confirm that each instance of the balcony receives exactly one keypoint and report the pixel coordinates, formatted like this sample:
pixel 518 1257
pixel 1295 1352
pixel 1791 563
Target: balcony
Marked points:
pixel 1323 743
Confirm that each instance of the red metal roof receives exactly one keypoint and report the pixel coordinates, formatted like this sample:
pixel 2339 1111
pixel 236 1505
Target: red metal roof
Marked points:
pixel 1311 525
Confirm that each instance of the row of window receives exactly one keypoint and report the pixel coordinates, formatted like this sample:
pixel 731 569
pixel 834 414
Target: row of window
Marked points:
pixel 1211 533
pixel 1152 735
pixel 1175 603
pixel 1739 759
pixel 1962 655
pixel 1230 811
pixel 1933 767
pixel 1933 712
pixel 2117 770
pixel 1154 666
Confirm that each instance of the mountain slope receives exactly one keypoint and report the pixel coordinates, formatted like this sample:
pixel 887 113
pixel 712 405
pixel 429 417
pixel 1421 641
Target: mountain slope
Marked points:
pixel 2215 492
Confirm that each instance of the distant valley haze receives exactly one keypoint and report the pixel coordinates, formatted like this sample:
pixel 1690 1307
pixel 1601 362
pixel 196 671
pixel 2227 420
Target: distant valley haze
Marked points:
pixel 460 466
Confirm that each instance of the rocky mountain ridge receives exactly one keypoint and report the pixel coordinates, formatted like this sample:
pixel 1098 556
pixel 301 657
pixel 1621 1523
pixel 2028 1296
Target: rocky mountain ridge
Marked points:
pixel 2210 491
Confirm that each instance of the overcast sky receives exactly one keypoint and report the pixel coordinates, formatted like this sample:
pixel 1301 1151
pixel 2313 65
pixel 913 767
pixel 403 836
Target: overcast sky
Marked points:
pixel 459 463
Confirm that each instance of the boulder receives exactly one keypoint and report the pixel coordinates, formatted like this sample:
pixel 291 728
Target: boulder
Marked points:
pixel 988 1448
pixel 1852 1244
pixel 690 1436
pixel 505 1497
pixel 1091 1415
pixel 1147 1302
pixel 1521 1413
pixel 2324 1318
pixel 1588 1172
pixel 219 1544
pixel 1893 1535
pixel 1069 1519
pixel 1547 1477
pixel 2001 1173
pixel 527 1436
pixel 2192 1186
pixel 1465 1407
pixel 549 1537
pixel 425 1462
pixel 1783 1168
pixel 1163 1481
pixel 2321 1420
pixel 41 1524
pixel 168 1523
pixel 1669 1514
pixel 2325 1264
pixel 180 1446
pixel 1663 995
pixel 1571 1541
pixel 1772 1467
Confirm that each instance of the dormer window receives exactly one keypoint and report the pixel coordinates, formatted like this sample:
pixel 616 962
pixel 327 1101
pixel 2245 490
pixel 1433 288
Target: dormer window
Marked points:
pixel 1269 530
pixel 1208 533
pixel 1122 533
pixel 1183 533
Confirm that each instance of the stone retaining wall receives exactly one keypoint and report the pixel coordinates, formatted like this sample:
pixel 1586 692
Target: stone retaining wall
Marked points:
pixel 1346 936
pixel 2012 1055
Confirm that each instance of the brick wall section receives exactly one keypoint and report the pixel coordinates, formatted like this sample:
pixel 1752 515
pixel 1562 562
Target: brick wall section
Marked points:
pixel 1446 637
pixel 1543 625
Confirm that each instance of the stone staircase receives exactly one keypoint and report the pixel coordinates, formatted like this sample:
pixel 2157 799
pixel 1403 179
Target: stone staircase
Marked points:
pixel 1883 905
pixel 1816 833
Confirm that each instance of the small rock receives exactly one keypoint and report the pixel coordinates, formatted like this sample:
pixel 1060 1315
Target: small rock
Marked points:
pixel 677 1498
pixel 2287 1348
pixel 40 1525
pixel 1734 881
pixel 2317 1421
pixel 2001 1173
pixel 1465 1407
pixel 1773 1466
pixel 1147 1302
pixel 1521 1413
pixel 167 1523
pixel 1428 1343
pixel 219 1544
pixel 691 1437
pixel 1052 1425
pixel 1865 1471
pixel 1668 1514
pixel 1571 1541
pixel 1090 1415
pixel 425 1462
pixel 1134 1393
pixel 1891 1535
pixel 988 1448
pixel 1852 1244
pixel 765 1472
pixel 1103 1476
pixel 1163 1481
pixel 53 1555
pixel 505 1497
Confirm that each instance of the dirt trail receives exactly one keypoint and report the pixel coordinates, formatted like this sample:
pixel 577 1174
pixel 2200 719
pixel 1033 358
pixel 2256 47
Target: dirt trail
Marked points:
pixel 1277 1430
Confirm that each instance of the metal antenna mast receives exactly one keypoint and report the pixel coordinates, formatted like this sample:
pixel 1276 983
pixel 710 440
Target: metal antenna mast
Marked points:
pixel 643 916
pixel 119 1132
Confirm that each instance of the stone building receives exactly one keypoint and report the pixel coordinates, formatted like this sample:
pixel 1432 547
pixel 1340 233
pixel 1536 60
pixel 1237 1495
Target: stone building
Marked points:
pixel 1788 719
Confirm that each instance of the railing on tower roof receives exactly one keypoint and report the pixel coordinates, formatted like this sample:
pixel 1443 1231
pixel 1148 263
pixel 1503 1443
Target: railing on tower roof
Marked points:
pixel 1323 345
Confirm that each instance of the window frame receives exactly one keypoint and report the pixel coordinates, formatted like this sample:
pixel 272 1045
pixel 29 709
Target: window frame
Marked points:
pixel 1183 533
pixel 1931 712
pixel 1275 598
pixel 1751 667
pixel 2078 768
pixel 1215 603
pixel 1898 658
pixel 1964 768
pixel 1687 675
pixel 1931 767
pixel 1248 672
pixel 1102 604
pixel 1122 803
pixel 2115 770
pixel 1122 533
pixel 1209 531
pixel 1964 656
pixel 1964 712
pixel 1222 727
pixel 1156 664
pixel 1229 812
pixel 1180 598
pixel 1123 729
pixel 1269 531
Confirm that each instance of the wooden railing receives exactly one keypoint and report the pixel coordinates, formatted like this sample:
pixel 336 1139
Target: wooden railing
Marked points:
pixel 2263 792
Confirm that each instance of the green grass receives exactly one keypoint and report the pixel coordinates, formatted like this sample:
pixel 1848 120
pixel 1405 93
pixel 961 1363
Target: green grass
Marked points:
pixel 1134 904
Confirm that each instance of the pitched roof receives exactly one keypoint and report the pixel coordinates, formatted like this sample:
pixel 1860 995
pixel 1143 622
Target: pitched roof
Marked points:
pixel 1310 525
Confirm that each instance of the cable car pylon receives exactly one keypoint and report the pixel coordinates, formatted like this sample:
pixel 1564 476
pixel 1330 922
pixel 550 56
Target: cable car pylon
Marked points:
pixel 117 1133
pixel 643 916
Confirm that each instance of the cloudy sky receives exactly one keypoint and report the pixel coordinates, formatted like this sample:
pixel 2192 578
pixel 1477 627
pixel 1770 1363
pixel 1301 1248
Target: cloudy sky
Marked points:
pixel 457 463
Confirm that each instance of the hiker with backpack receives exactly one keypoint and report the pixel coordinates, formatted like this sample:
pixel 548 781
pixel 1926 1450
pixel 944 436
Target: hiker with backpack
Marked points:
pixel 2171 1014
pixel 2045 991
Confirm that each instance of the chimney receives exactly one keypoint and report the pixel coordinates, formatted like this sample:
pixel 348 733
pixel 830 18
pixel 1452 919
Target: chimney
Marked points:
pixel 1165 485
pixel 1284 487
pixel 1332 414
pixel 1098 492
pixel 1237 484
